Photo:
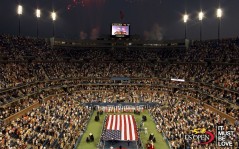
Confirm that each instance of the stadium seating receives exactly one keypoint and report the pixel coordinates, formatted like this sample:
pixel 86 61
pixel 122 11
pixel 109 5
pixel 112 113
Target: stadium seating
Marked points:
pixel 30 71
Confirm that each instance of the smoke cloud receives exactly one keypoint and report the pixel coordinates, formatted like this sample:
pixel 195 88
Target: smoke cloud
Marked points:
pixel 83 35
pixel 155 33
pixel 94 33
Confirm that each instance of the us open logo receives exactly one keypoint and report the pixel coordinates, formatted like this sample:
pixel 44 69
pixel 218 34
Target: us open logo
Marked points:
pixel 201 135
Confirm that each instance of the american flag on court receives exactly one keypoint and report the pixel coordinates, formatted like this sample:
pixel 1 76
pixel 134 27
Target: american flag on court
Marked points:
pixel 120 127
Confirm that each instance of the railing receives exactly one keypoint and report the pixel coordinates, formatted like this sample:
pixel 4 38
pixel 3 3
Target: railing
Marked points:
pixel 70 85
pixel 24 111
pixel 222 114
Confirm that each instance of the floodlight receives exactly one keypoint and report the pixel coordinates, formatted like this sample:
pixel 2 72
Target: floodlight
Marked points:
pixel 185 18
pixel 219 12
pixel 19 9
pixel 53 16
pixel 38 13
pixel 200 16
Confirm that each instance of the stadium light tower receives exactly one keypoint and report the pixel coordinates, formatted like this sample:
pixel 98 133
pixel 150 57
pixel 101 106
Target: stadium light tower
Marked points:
pixel 200 17
pixel 38 15
pixel 185 20
pixel 53 16
pixel 19 12
pixel 219 16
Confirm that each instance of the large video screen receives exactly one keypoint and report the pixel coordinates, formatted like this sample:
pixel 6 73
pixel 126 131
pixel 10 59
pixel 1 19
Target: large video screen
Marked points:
pixel 120 29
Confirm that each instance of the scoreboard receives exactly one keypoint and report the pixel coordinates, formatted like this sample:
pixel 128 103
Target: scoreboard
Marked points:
pixel 120 29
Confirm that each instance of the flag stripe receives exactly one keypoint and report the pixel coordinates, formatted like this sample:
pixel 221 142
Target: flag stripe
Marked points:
pixel 118 122
pixel 132 128
pixel 109 122
pixel 135 129
pixel 113 123
pixel 122 128
pixel 127 127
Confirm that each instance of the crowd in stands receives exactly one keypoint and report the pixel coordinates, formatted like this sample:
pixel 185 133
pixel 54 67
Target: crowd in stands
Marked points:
pixel 182 116
pixel 30 70
pixel 57 123
pixel 40 62
pixel 117 94
pixel 17 107
pixel 218 103
pixel 11 95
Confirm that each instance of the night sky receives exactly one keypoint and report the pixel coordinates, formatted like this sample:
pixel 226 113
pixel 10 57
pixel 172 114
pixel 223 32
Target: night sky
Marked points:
pixel 151 19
